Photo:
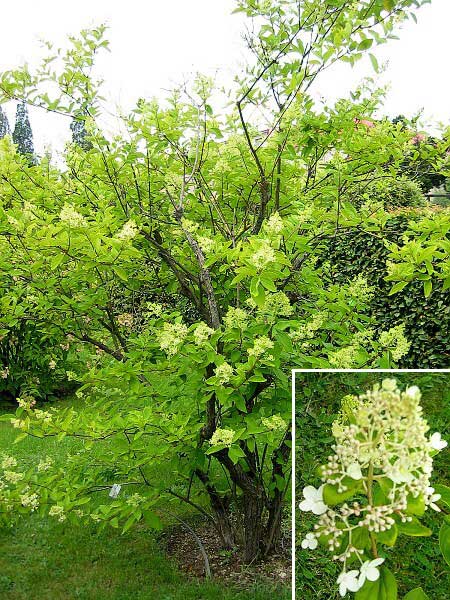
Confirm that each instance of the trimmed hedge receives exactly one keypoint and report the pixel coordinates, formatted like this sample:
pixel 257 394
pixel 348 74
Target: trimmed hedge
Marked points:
pixel 393 193
pixel 427 320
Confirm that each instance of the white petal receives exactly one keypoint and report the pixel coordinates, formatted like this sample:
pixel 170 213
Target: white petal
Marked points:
pixel 306 505
pixel 353 585
pixel 310 492
pixel 372 573
pixel 413 392
pixel 319 508
pixel 354 471
pixel 376 562
pixel 305 544
pixel 342 589
pixel 436 441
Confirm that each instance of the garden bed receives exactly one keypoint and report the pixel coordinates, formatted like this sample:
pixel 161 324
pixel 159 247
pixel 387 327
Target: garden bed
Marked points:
pixel 227 565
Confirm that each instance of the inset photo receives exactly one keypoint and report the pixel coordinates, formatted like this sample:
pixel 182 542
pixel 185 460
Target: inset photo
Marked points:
pixel 372 468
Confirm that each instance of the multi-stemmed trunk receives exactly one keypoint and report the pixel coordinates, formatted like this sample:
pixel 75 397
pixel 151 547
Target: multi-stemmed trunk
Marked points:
pixel 261 514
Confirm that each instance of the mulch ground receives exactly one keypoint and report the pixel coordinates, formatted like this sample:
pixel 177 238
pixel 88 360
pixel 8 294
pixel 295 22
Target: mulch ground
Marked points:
pixel 182 547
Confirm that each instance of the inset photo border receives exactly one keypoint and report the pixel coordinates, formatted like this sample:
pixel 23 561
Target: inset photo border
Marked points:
pixel 371 484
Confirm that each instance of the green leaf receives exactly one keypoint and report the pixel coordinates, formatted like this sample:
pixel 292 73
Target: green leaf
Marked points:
pixel 398 287
pixel 257 291
pixel 56 261
pixel 415 506
pixel 128 524
pixel 416 594
pixel 268 284
pixel 374 61
pixel 331 496
pixel 384 588
pixel 388 537
pixel 413 528
pixel 444 541
pixel 152 520
pixel 360 538
pixel 365 44
pixel 239 403
pixel 427 287
pixel 121 273
pixel 235 453
pixel 444 491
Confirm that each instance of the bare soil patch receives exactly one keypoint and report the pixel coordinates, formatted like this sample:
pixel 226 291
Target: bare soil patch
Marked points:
pixel 227 565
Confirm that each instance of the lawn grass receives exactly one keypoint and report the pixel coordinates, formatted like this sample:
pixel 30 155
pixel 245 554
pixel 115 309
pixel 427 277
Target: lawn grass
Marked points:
pixel 415 561
pixel 42 559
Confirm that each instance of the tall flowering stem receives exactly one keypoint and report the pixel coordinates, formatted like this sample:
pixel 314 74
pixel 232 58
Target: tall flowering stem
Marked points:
pixel 375 484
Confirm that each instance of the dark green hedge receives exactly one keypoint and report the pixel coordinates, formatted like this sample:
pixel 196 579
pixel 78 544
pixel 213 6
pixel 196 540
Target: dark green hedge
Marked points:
pixel 427 320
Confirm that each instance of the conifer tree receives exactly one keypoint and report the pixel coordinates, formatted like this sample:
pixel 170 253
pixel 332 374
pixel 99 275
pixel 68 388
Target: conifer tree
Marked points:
pixel 22 134
pixel 79 133
pixel 4 124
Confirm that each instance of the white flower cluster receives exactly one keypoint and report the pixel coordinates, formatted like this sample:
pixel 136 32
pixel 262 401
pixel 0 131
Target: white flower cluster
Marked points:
pixel 30 501
pixel 303 215
pixel 125 320
pixel 171 337
pixel 360 290
pixel 43 415
pixel 13 477
pixel 70 216
pixel 274 224
pixel 128 232
pixel 58 512
pixel 236 318
pixel 207 245
pixel 394 339
pixel 344 358
pixel 274 423
pixel 381 436
pixel 153 309
pixel 45 464
pixel 308 330
pixel 224 372
pixel 202 333
pixel 260 347
pixel 4 373
pixel 135 500
pixel 8 462
pixel 277 305
pixel 222 436
pixel 262 256
pixel 189 226
pixel 26 401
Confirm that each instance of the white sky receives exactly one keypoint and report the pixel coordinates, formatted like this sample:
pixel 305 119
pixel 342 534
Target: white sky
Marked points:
pixel 158 44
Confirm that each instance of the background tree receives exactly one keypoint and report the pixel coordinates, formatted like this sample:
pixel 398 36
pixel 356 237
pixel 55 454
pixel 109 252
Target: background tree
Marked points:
pixel 79 133
pixel 23 134
pixel 4 124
